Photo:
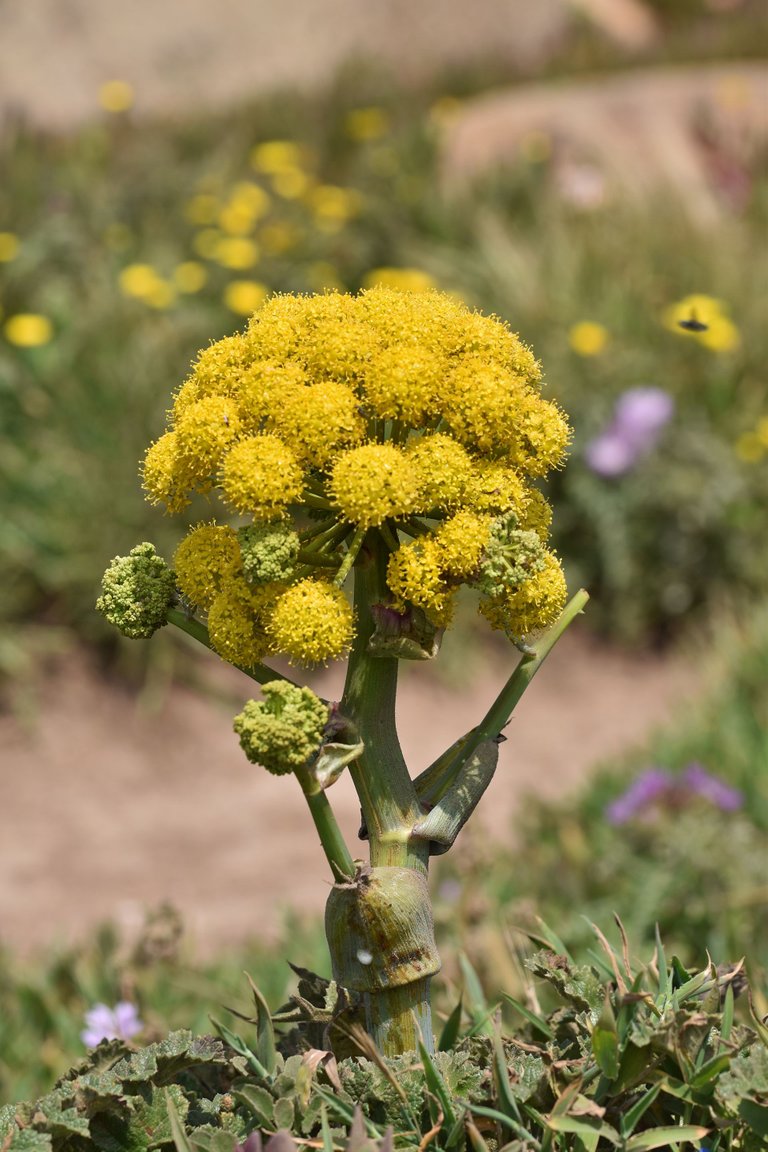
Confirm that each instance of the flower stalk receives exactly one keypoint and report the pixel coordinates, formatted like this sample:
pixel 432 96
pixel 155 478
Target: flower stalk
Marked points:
pixel 417 429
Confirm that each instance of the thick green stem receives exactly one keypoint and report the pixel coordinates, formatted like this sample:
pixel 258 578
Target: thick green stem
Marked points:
pixel 334 845
pixel 387 796
pixel 389 803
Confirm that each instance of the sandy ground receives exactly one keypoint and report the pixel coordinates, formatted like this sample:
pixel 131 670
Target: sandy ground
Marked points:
pixel 182 55
pixel 105 809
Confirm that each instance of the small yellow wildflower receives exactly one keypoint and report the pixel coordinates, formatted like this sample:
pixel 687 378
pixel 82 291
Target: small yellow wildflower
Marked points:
pixel 445 471
pixel 207 557
pixel 164 478
pixel 206 243
pixel 373 482
pixel 717 332
pixel 415 576
pixel 403 279
pixel 202 209
pixel 290 183
pixel 139 280
pixel 751 448
pixel 190 276
pixel 28 330
pixel 247 203
pixel 161 296
pixel 277 156
pixel 261 476
pixel 116 96
pixel 588 338
pixel 236 621
pixel 236 252
pixel 444 111
pixel 761 428
pixel 311 623
pixel 279 236
pixel 364 124
pixel 245 296
pixel 9 247
pixel 333 206
pixel 532 606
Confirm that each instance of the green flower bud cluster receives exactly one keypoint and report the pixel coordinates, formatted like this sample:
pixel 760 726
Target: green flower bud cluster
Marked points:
pixel 511 556
pixel 269 551
pixel 136 592
pixel 282 731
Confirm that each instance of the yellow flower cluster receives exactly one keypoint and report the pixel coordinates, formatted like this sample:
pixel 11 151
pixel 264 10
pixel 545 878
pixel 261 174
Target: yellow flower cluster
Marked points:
pixel 398 413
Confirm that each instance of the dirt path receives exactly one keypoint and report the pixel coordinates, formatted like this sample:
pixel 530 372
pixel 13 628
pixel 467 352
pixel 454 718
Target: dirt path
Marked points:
pixel 183 55
pixel 105 809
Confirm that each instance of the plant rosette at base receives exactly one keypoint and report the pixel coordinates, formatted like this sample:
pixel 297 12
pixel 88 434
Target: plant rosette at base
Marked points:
pixel 392 441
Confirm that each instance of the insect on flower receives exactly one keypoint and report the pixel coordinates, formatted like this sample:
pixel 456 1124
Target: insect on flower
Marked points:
pixel 693 324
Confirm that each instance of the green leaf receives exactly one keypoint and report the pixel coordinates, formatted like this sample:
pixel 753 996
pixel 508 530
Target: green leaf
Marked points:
pixel 605 1041
pixel 661 962
pixel 28 1141
pixel 477 1006
pixel 501 1078
pixel 633 1115
pixel 711 1070
pixel 266 1050
pixel 585 1126
pixel 451 1028
pixel 664 1137
pixel 258 1102
pixel 537 1022
pixel 754 1115
pixel 284 1113
pixel 178 1135
pixel 726 1024
pixel 7 1119
pixel 436 1086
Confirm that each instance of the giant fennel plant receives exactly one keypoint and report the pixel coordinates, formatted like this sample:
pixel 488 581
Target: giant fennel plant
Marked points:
pixel 391 440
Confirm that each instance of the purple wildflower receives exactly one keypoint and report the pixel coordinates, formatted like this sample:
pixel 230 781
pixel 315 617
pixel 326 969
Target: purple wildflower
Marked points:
pixel 610 454
pixel 648 787
pixel 104 1023
pixel 638 418
pixel 703 783
pixel 641 413
pixel 656 785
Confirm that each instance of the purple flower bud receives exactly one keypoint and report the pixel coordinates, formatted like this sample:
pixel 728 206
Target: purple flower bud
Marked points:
pixel 104 1023
pixel 648 787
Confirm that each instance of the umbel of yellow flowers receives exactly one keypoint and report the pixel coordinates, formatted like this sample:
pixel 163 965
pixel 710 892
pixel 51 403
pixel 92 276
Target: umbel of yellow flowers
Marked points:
pixel 333 416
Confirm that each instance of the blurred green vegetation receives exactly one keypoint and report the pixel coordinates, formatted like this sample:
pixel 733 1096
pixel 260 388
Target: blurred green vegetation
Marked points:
pixel 695 870
pixel 140 243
